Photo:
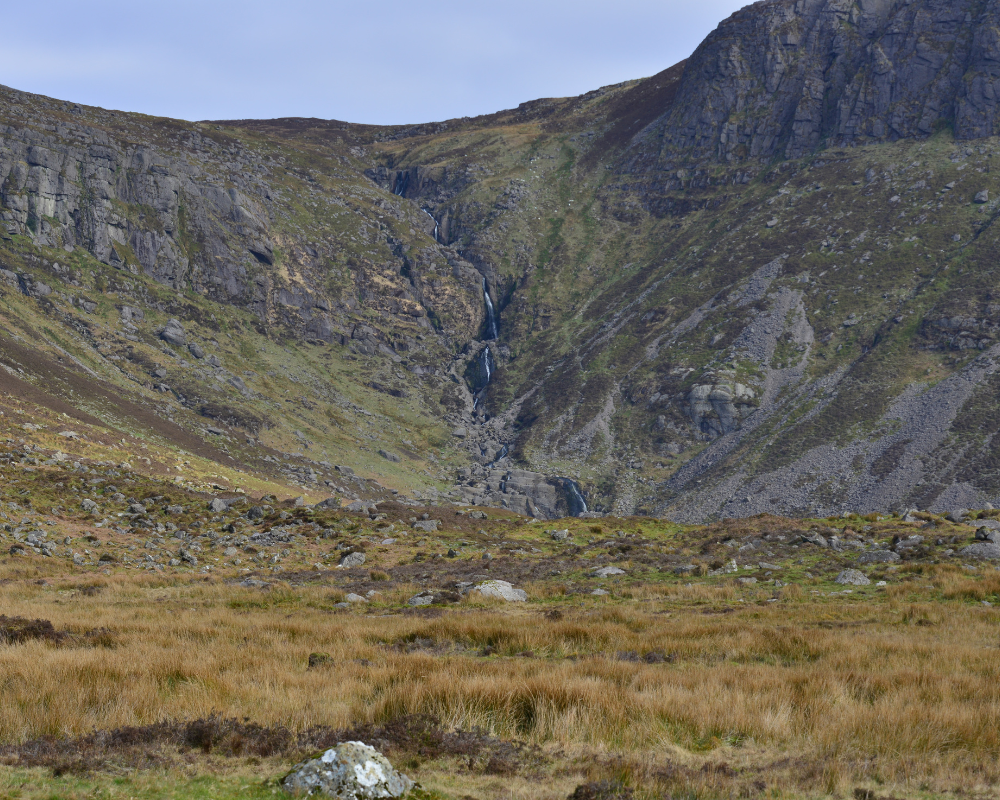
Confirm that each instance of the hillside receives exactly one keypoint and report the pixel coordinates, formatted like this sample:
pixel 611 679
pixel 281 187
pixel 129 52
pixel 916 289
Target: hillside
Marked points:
pixel 759 281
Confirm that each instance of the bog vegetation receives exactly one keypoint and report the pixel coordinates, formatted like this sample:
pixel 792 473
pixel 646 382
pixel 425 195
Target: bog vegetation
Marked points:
pixel 703 691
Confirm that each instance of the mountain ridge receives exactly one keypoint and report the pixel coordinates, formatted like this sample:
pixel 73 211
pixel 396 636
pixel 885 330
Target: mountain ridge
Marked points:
pixel 713 297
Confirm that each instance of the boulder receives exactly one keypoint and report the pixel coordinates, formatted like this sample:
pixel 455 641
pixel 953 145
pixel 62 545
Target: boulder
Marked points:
pixel 173 333
pixel 423 599
pixel 985 534
pixel 852 577
pixel 359 505
pixel 606 572
pixel 816 539
pixel 501 590
pixel 427 525
pixel 982 197
pixel 218 505
pixel 355 559
pixel 986 551
pixel 132 315
pixel 349 771
pixel 560 536
pixel 89 505
pixel 878 557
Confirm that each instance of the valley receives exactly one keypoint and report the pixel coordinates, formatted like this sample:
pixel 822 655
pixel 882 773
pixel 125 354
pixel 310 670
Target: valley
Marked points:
pixel 641 444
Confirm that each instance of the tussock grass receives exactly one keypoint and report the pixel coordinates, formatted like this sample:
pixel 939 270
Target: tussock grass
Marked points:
pixel 904 690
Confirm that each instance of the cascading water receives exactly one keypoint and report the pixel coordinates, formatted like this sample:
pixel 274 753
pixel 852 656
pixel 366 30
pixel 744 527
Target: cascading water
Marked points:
pixel 500 457
pixel 485 365
pixel 491 317
pixel 429 214
pixel 487 358
pixel 577 505
pixel 401 180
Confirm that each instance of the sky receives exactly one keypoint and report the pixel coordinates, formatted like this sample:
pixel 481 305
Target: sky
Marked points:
pixel 389 62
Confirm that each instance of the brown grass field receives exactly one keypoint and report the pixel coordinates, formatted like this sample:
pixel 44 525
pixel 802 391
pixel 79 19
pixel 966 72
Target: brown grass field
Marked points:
pixel 153 647
pixel 671 692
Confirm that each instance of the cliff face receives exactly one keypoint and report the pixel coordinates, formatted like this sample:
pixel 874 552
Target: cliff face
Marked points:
pixel 760 280
pixel 781 78
pixel 197 209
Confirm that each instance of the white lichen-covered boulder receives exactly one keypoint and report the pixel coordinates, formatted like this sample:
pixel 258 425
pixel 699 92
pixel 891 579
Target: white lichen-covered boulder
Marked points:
pixel 501 590
pixel 350 771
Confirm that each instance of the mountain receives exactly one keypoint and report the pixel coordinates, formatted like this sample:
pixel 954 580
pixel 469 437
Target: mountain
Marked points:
pixel 760 281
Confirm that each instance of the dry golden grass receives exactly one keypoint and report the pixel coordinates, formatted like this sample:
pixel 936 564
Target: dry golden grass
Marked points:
pixel 906 693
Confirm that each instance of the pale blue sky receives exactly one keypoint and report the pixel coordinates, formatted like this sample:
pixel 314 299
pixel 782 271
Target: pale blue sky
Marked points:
pixel 386 62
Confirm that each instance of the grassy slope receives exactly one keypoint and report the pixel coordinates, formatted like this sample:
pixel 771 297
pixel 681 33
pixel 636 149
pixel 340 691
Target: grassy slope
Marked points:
pixel 704 682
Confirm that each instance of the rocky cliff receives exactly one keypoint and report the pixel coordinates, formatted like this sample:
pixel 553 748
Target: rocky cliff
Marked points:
pixel 784 78
pixel 760 280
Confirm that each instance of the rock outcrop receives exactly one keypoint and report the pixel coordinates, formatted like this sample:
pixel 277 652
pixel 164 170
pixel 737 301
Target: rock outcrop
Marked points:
pixel 720 408
pixel 349 771
pixel 780 78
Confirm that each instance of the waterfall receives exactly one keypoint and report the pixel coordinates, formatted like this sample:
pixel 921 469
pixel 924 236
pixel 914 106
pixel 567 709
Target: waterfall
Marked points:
pixel 400 186
pixel 487 357
pixel 429 214
pixel 491 317
pixel 483 375
pixel 577 505
pixel 500 457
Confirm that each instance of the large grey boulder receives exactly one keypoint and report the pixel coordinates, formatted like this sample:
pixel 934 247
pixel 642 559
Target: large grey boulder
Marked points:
pixel 349 771
pixel 173 333
pixel 501 590
pixel 987 551
pixel 988 534
pixel 355 559
pixel 852 577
